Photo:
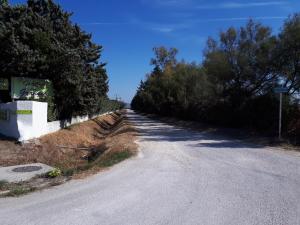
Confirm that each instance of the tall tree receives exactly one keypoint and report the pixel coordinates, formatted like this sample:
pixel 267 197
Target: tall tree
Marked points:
pixel 240 63
pixel 38 40
pixel 164 58
pixel 287 54
pixel 3 2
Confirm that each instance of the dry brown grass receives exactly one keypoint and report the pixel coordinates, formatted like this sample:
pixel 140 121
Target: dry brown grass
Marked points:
pixel 104 135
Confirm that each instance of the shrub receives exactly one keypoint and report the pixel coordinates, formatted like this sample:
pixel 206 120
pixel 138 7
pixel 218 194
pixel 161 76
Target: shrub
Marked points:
pixel 3 184
pixel 54 173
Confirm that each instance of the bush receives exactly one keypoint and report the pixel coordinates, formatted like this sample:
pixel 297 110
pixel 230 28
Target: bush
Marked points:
pixel 3 184
pixel 54 173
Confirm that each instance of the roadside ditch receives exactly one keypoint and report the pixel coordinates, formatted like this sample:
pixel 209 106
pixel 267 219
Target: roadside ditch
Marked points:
pixel 76 152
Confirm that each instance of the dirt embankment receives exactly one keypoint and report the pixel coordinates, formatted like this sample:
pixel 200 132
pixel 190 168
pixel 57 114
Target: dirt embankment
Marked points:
pixel 104 140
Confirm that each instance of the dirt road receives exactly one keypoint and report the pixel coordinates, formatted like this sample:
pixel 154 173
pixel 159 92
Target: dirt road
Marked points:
pixel 180 177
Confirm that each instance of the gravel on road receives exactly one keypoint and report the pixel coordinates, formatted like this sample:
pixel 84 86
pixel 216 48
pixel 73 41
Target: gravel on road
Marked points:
pixel 180 177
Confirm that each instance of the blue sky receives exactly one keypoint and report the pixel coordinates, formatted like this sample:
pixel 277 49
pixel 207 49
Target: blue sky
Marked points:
pixel 129 29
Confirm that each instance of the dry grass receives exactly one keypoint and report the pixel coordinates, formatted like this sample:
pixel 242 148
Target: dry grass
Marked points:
pixel 63 149
pixel 79 151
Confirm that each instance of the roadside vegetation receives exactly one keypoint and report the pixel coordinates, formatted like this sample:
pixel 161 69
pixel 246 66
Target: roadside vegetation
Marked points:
pixel 234 85
pixel 75 152
pixel 38 40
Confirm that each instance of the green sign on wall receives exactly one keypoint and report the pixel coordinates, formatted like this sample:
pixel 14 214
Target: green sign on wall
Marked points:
pixel 4 84
pixel 30 89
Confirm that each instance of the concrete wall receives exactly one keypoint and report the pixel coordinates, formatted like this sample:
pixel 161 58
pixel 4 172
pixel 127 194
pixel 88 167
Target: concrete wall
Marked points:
pixel 60 124
pixel 28 120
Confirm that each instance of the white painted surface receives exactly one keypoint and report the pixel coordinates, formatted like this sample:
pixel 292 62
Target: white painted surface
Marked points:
pixel 35 124
pixel 25 127
pixel 60 124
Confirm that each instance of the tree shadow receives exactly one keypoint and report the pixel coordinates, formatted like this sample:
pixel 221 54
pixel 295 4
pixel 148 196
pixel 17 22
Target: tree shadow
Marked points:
pixel 226 144
pixel 156 130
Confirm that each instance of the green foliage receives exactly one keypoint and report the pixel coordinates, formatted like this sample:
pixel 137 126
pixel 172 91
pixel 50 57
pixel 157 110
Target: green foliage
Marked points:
pixel 287 53
pixel 19 191
pixel 68 172
pixel 3 184
pixel 107 105
pixel 38 40
pixel 239 64
pixel 54 173
pixel 234 85
pixel 107 160
pixel 164 57
pixel 175 91
pixel 113 158
pixel 3 2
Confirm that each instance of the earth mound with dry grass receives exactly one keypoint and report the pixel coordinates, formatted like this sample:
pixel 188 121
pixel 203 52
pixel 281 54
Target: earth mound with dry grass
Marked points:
pixel 101 141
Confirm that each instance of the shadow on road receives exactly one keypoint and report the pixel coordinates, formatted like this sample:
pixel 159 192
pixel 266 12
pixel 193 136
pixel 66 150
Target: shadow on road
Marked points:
pixel 155 130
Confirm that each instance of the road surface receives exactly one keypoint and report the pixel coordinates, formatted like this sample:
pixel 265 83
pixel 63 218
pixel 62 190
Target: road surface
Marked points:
pixel 180 177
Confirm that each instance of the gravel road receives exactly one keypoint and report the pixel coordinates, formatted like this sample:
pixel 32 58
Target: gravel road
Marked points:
pixel 180 177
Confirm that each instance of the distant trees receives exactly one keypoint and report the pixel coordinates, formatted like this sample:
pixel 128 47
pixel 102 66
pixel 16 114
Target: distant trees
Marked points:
pixel 241 62
pixel 38 40
pixel 234 86
pixel 172 88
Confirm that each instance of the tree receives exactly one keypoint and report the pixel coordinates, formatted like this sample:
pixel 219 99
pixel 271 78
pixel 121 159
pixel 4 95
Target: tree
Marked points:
pixel 172 88
pixel 164 58
pixel 240 63
pixel 3 2
pixel 287 53
pixel 234 84
pixel 38 40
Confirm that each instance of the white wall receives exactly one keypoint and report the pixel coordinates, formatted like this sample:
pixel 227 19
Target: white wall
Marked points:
pixel 60 124
pixel 24 127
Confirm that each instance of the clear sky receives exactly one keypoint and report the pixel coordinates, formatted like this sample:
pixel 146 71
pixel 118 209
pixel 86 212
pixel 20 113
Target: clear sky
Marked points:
pixel 129 29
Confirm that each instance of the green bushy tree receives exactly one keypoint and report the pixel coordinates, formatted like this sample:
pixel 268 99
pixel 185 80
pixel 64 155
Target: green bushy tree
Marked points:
pixel 234 86
pixel 38 40
pixel 287 53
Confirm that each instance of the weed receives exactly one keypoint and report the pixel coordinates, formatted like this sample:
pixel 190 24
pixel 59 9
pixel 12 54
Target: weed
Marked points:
pixel 54 173
pixel 19 190
pixel 114 158
pixel 3 184
pixel 69 172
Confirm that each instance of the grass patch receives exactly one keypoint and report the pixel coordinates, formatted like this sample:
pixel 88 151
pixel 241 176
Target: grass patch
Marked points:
pixel 103 161
pixel 3 184
pixel 19 190
pixel 113 158
pixel 68 172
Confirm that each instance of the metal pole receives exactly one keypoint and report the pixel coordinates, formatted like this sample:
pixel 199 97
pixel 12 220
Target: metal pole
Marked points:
pixel 280 116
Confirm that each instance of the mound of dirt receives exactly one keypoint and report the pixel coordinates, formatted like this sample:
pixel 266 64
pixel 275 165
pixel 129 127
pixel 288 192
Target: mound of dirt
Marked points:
pixel 70 147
